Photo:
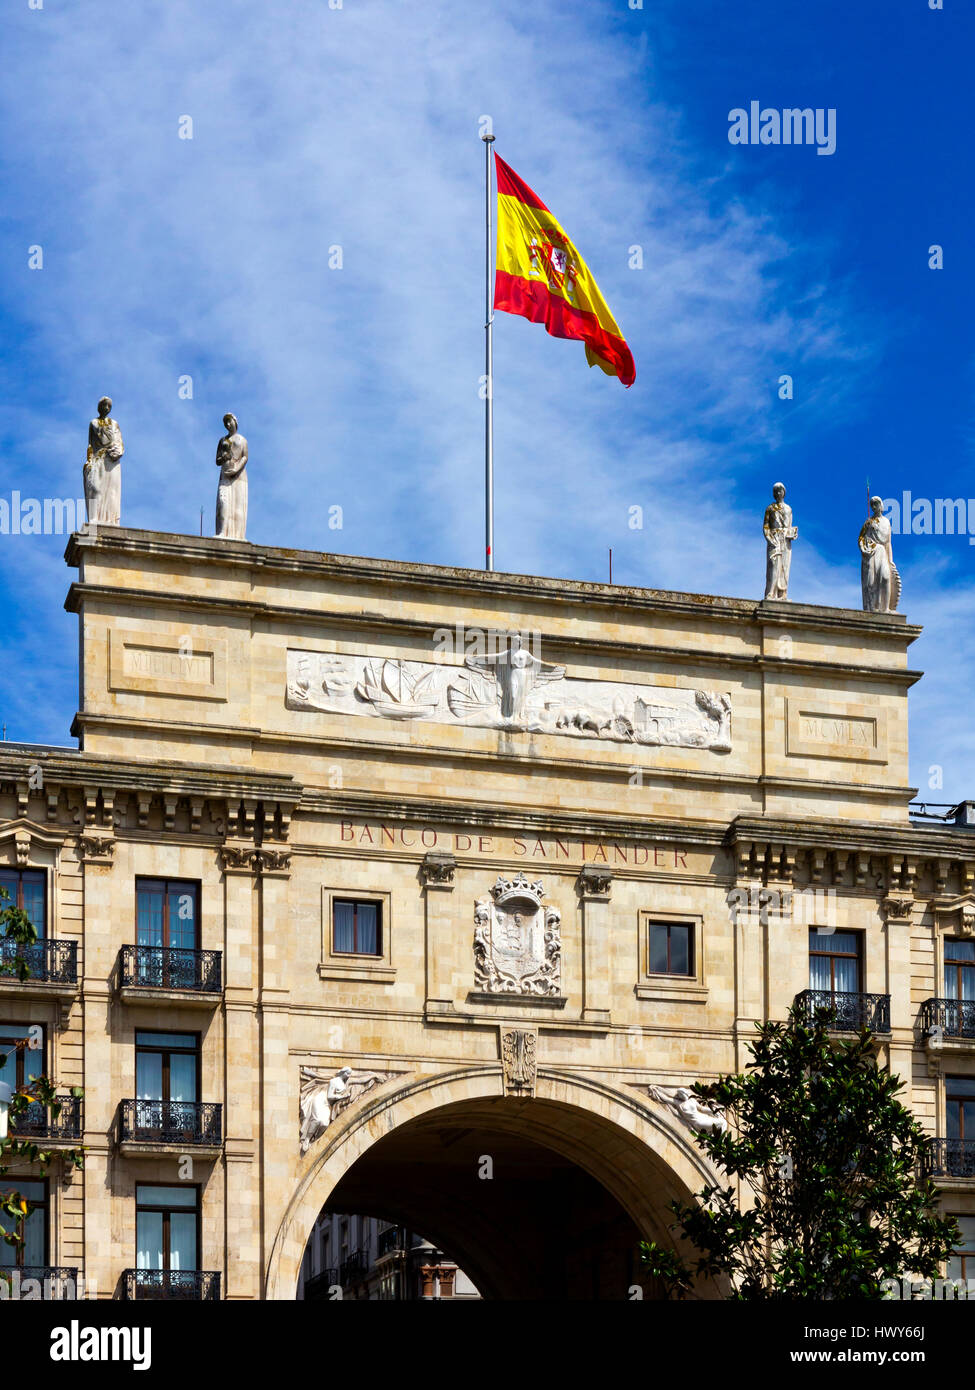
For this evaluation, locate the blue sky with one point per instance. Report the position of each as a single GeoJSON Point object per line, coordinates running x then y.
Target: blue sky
{"type": "Point", "coordinates": [314, 127]}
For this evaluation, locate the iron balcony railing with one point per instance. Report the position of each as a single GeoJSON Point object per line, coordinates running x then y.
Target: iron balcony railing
{"type": "Point", "coordinates": [39, 1121]}
{"type": "Point", "coordinates": [51, 1283]}
{"type": "Point", "coordinates": [849, 1012]}
{"type": "Point", "coordinates": [950, 1158]}
{"type": "Point", "coordinates": [171, 967]}
{"type": "Point", "coordinates": [50, 962]}
{"type": "Point", "coordinates": [171, 1122]}
{"type": "Point", "coordinates": [187, 1285]}
{"type": "Point", "coordinates": [955, 1018]}
{"type": "Point", "coordinates": [353, 1268]}
{"type": "Point", "coordinates": [319, 1285]}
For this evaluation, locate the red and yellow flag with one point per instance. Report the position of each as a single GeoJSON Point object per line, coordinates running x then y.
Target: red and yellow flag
{"type": "Point", "coordinates": [541, 276]}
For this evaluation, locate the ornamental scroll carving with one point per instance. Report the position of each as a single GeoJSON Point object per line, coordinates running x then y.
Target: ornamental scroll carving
{"type": "Point", "coordinates": [519, 1060]}
{"type": "Point", "coordinates": [250, 859]}
{"type": "Point", "coordinates": [512, 690]}
{"type": "Point", "coordinates": [517, 941]}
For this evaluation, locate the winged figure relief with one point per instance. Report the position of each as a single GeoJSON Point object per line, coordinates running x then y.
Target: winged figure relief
{"type": "Point", "coordinates": [517, 674]}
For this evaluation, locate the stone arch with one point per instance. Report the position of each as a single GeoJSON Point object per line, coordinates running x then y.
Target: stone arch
{"type": "Point", "coordinates": [633, 1148]}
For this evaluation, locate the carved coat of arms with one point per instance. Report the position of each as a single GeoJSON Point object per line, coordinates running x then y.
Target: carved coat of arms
{"type": "Point", "coordinates": [517, 941]}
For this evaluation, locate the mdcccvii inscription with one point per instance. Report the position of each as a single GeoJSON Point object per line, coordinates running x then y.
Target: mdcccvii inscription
{"type": "Point", "coordinates": [150, 661]}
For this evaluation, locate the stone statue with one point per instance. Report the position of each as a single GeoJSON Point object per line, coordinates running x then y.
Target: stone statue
{"type": "Point", "coordinates": [779, 535]}
{"type": "Point", "coordinates": [323, 1097]}
{"type": "Point", "coordinates": [879, 578]}
{"type": "Point", "coordinates": [699, 1115]}
{"type": "Point", "coordinates": [103, 468]}
{"type": "Point", "coordinates": [232, 489]}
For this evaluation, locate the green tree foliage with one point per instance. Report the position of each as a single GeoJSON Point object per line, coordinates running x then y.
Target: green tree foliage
{"type": "Point", "coordinates": [830, 1166]}
{"type": "Point", "coordinates": [18, 1154]}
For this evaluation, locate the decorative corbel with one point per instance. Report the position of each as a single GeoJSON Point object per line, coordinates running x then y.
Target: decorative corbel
{"type": "Point", "coordinates": [593, 883]}
{"type": "Point", "coordinates": [96, 849]}
{"type": "Point", "coordinates": [437, 870]}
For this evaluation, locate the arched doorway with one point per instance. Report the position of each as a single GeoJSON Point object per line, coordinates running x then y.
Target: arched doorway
{"type": "Point", "coordinates": [538, 1198]}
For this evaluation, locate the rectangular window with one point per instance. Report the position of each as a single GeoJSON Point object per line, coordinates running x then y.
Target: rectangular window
{"type": "Point", "coordinates": [167, 913]}
{"type": "Point", "coordinates": [167, 1066]}
{"type": "Point", "coordinates": [167, 1226]}
{"type": "Point", "coordinates": [834, 961]}
{"type": "Point", "coordinates": [960, 1107]}
{"type": "Point", "coordinates": [671, 948]}
{"type": "Point", "coordinates": [961, 1261]}
{"type": "Point", "coordinates": [23, 1064]}
{"type": "Point", "coordinates": [26, 889]}
{"type": "Point", "coordinates": [32, 1227]}
{"type": "Point", "coordinates": [959, 968]}
{"type": "Point", "coordinates": [356, 927]}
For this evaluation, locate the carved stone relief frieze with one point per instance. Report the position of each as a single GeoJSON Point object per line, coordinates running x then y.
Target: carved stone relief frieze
{"type": "Point", "coordinates": [512, 690]}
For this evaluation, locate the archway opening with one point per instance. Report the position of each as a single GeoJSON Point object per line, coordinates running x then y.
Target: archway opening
{"type": "Point", "coordinates": [507, 1189]}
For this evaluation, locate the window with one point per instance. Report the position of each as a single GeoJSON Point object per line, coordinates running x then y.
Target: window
{"type": "Point", "coordinates": [959, 968]}
{"type": "Point", "coordinates": [167, 1066]}
{"type": "Point", "coordinates": [20, 1065]}
{"type": "Point", "coordinates": [960, 1107]}
{"type": "Point", "coordinates": [167, 1226]}
{"type": "Point", "coordinates": [671, 946]}
{"type": "Point", "coordinates": [961, 1261]}
{"type": "Point", "coordinates": [834, 961]}
{"type": "Point", "coordinates": [167, 913]}
{"type": "Point", "coordinates": [356, 927]}
{"type": "Point", "coordinates": [32, 1254]}
{"type": "Point", "coordinates": [27, 889]}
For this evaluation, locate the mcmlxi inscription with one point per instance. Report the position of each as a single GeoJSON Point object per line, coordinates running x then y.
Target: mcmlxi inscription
{"type": "Point", "coordinates": [855, 733]}
{"type": "Point", "coordinates": [836, 733]}
{"type": "Point", "coordinates": [147, 663]}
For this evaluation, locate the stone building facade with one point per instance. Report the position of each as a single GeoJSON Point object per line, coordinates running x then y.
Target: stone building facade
{"type": "Point", "coordinates": [510, 850]}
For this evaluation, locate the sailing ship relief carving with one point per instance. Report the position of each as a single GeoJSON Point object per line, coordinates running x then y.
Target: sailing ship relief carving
{"type": "Point", "coordinates": [512, 690]}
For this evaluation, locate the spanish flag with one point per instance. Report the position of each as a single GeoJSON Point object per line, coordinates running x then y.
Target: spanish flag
{"type": "Point", "coordinates": [540, 275]}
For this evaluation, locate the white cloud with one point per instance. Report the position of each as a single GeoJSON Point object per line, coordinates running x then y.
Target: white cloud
{"type": "Point", "coordinates": [359, 387]}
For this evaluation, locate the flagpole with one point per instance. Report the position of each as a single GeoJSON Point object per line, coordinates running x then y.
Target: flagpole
{"type": "Point", "coordinates": [488, 366]}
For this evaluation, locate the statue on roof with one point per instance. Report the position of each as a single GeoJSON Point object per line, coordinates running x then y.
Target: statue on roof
{"type": "Point", "coordinates": [103, 468]}
{"type": "Point", "coordinates": [779, 535]}
{"type": "Point", "coordinates": [232, 488]}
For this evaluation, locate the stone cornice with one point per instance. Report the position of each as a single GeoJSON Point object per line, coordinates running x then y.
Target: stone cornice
{"type": "Point", "coordinates": [867, 836]}
{"type": "Point", "coordinates": [590, 645]}
{"type": "Point", "coordinates": [492, 757]}
{"type": "Point", "coordinates": [71, 768]}
{"type": "Point", "coordinates": [245, 555]}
